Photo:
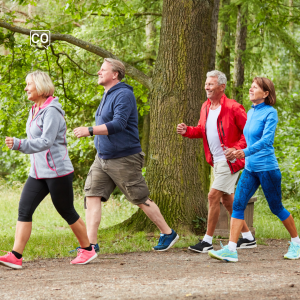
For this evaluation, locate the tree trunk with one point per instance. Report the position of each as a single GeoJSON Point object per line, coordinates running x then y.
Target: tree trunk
{"type": "Point", "coordinates": [240, 47]}
{"type": "Point", "coordinates": [214, 34]}
{"type": "Point", "coordinates": [177, 173]}
{"type": "Point", "coordinates": [223, 46]}
{"type": "Point", "coordinates": [292, 58]}
{"type": "Point", "coordinates": [151, 45]}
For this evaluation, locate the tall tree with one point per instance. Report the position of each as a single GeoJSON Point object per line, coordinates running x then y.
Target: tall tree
{"type": "Point", "coordinates": [177, 173]}
{"type": "Point", "coordinates": [240, 47]}
{"type": "Point", "coordinates": [223, 43]}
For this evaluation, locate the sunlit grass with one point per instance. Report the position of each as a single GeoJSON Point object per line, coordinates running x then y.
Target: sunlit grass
{"type": "Point", "coordinates": [51, 236]}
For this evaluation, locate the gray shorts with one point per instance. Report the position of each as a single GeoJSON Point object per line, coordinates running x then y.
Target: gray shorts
{"type": "Point", "coordinates": [124, 172]}
{"type": "Point", "coordinates": [224, 181]}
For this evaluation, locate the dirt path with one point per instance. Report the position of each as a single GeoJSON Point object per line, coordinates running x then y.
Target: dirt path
{"type": "Point", "coordinates": [261, 273]}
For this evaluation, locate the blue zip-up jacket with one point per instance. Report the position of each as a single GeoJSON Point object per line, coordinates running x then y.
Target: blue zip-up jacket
{"type": "Point", "coordinates": [118, 111]}
{"type": "Point", "coordinates": [259, 132]}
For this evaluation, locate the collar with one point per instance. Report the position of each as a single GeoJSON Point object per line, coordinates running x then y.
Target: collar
{"type": "Point", "coordinates": [223, 98]}
{"type": "Point", "coordinates": [259, 106]}
{"type": "Point", "coordinates": [46, 103]}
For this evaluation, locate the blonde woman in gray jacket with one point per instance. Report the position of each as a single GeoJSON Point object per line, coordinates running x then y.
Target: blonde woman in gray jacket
{"type": "Point", "coordinates": [51, 169]}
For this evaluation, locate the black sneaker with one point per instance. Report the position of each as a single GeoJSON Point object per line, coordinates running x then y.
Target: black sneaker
{"type": "Point", "coordinates": [202, 247]}
{"type": "Point", "coordinates": [245, 243]}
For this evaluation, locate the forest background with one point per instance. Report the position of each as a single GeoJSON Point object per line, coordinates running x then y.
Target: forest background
{"type": "Point", "coordinates": [251, 37]}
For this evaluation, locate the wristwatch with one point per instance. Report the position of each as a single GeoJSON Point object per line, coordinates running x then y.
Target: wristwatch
{"type": "Point", "coordinates": [91, 131]}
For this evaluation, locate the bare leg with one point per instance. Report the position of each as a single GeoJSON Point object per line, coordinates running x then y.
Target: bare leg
{"type": "Point", "coordinates": [154, 214]}
{"type": "Point", "coordinates": [22, 235]}
{"type": "Point", "coordinates": [236, 226]}
{"type": "Point", "coordinates": [79, 230]}
{"type": "Point", "coordinates": [214, 197]}
{"type": "Point", "coordinates": [289, 224]}
{"type": "Point", "coordinates": [93, 217]}
{"type": "Point", "coordinates": [227, 201]}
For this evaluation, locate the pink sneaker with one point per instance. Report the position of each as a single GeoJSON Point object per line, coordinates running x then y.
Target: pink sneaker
{"type": "Point", "coordinates": [84, 257]}
{"type": "Point", "coordinates": [9, 260]}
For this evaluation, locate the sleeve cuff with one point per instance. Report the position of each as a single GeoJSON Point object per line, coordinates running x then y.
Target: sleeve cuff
{"type": "Point", "coordinates": [187, 132]}
{"type": "Point", "coordinates": [17, 144]}
{"type": "Point", "coordinates": [247, 152]}
{"type": "Point", "coordinates": [110, 128]}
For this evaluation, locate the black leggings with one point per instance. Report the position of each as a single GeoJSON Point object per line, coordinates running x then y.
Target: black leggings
{"type": "Point", "coordinates": [61, 191]}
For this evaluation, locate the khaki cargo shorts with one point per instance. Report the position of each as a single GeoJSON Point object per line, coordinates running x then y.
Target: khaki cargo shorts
{"type": "Point", "coordinates": [124, 172]}
{"type": "Point", "coordinates": [224, 180]}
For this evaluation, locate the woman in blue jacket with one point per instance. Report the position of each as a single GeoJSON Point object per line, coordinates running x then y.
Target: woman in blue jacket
{"type": "Point", "coordinates": [261, 168]}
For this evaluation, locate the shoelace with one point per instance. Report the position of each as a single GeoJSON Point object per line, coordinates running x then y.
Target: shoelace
{"type": "Point", "coordinates": [161, 239]}
{"type": "Point", "coordinates": [6, 252]}
{"type": "Point", "coordinates": [292, 247]}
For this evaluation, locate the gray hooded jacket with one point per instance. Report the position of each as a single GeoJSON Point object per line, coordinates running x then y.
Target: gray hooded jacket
{"type": "Point", "coordinates": [46, 142]}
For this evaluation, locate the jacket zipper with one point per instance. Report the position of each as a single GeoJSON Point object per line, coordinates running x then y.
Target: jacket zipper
{"type": "Point", "coordinates": [207, 139]}
{"type": "Point", "coordinates": [222, 128]}
{"type": "Point", "coordinates": [229, 163]}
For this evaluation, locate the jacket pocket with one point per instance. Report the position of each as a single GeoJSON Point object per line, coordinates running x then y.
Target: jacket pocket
{"type": "Point", "coordinates": [138, 189]}
{"type": "Point", "coordinates": [88, 182]}
{"type": "Point", "coordinates": [50, 161]}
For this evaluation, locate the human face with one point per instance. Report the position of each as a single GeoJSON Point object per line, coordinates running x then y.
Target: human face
{"type": "Point", "coordinates": [214, 91]}
{"type": "Point", "coordinates": [106, 76]}
{"type": "Point", "coordinates": [30, 88]}
{"type": "Point", "coordinates": [257, 95]}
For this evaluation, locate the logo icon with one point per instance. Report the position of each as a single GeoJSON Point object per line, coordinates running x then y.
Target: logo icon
{"type": "Point", "coordinates": [42, 37]}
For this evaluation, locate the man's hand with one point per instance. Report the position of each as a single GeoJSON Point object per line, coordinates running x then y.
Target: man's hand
{"type": "Point", "coordinates": [81, 132]}
{"type": "Point", "coordinates": [181, 128]}
{"type": "Point", "coordinates": [239, 154]}
{"type": "Point", "coordinates": [229, 154]}
{"type": "Point", "coordinates": [9, 141]}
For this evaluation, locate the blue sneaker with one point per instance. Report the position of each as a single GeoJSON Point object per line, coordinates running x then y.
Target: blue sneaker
{"type": "Point", "coordinates": [293, 252]}
{"type": "Point", "coordinates": [96, 247]}
{"type": "Point", "coordinates": [224, 254]}
{"type": "Point", "coordinates": [166, 241]}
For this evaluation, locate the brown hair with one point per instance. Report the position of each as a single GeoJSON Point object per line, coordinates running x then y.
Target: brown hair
{"type": "Point", "coordinates": [267, 86]}
{"type": "Point", "coordinates": [116, 66]}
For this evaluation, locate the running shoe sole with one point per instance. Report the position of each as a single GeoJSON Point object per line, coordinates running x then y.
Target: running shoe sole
{"type": "Point", "coordinates": [203, 251]}
{"type": "Point", "coordinates": [10, 265]}
{"type": "Point", "coordinates": [228, 259]}
{"type": "Point", "coordinates": [93, 257]}
{"type": "Point", "coordinates": [247, 246]}
{"type": "Point", "coordinates": [171, 244]}
{"type": "Point", "coordinates": [292, 258]}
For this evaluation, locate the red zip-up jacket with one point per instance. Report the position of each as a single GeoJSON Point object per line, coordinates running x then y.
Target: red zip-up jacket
{"type": "Point", "coordinates": [230, 124]}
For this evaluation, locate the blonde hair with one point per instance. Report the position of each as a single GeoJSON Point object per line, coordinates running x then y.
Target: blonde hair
{"type": "Point", "coordinates": [43, 83]}
{"type": "Point", "coordinates": [116, 66]}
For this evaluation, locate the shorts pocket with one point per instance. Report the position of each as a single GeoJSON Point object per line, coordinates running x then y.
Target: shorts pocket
{"type": "Point", "coordinates": [137, 190]}
{"type": "Point", "coordinates": [88, 182]}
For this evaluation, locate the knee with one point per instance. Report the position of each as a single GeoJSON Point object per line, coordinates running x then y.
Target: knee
{"type": "Point", "coordinates": [71, 216]}
{"type": "Point", "coordinates": [213, 200]}
{"type": "Point", "coordinates": [282, 214]}
{"type": "Point", "coordinates": [24, 216]}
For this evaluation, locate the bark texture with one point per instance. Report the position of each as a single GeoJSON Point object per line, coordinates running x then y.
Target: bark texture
{"type": "Point", "coordinates": [214, 34]}
{"type": "Point", "coordinates": [177, 172]}
{"type": "Point", "coordinates": [223, 45]}
{"type": "Point", "coordinates": [240, 47]}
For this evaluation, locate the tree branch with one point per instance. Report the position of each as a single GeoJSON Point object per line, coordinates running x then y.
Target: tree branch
{"type": "Point", "coordinates": [123, 15]}
{"type": "Point", "coordinates": [130, 70]}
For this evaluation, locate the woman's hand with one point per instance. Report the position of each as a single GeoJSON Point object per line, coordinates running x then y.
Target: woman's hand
{"type": "Point", "coordinates": [239, 154]}
{"type": "Point", "coordinates": [181, 128]}
{"type": "Point", "coordinates": [9, 141]}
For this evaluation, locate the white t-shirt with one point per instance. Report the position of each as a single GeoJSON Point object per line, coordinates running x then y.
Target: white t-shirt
{"type": "Point", "coordinates": [213, 136]}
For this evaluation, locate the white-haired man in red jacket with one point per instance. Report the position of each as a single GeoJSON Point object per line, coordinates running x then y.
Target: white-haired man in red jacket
{"type": "Point", "coordinates": [221, 125]}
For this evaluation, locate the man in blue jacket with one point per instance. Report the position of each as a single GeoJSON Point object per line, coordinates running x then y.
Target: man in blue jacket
{"type": "Point", "coordinates": [119, 159]}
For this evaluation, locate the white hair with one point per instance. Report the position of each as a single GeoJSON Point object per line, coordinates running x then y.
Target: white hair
{"type": "Point", "coordinates": [43, 83]}
{"type": "Point", "coordinates": [221, 76]}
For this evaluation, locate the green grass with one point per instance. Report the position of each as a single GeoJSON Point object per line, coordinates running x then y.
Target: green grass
{"type": "Point", "coordinates": [52, 238]}
{"type": "Point", "coordinates": [268, 225]}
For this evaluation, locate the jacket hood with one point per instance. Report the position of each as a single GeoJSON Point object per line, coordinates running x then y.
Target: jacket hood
{"type": "Point", "coordinates": [120, 85]}
{"type": "Point", "coordinates": [52, 102]}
